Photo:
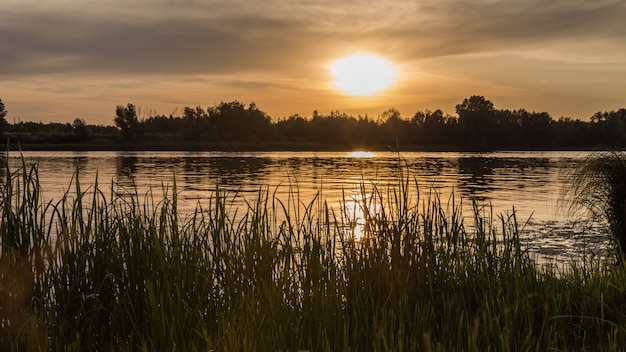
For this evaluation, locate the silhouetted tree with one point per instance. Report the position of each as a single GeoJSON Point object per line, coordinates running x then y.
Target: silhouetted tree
{"type": "Point", "coordinates": [232, 121]}
{"type": "Point", "coordinates": [163, 125]}
{"type": "Point", "coordinates": [535, 128]}
{"type": "Point", "coordinates": [573, 133]}
{"type": "Point", "coordinates": [3, 115]}
{"type": "Point", "coordinates": [336, 128]}
{"type": "Point", "coordinates": [293, 129]}
{"type": "Point", "coordinates": [397, 131]}
{"type": "Point", "coordinates": [196, 123]}
{"type": "Point", "coordinates": [126, 120]}
{"type": "Point", "coordinates": [479, 125]}
{"type": "Point", "coordinates": [81, 131]}
{"type": "Point", "coordinates": [433, 127]}
{"type": "Point", "coordinates": [610, 127]}
{"type": "Point", "coordinates": [476, 117]}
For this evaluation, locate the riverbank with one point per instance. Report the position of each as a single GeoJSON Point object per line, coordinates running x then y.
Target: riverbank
{"type": "Point", "coordinates": [155, 145]}
{"type": "Point", "coordinates": [126, 272]}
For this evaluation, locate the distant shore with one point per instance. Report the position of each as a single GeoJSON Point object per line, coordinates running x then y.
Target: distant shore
{"type": "Point", "coordinates": [111, 145]}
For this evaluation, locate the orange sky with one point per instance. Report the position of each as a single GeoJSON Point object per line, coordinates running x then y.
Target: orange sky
{"type": "Point", "coordinates": [62, 59]}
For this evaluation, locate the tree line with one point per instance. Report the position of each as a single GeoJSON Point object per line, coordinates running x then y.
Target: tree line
{"type": "Point", "coordinates": [477, 125]}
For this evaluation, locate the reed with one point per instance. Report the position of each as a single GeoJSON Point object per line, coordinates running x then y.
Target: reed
{"type": "Point", "coordinates": [598, 185]}
{"type": "Point", "coordinates": [116, 270]}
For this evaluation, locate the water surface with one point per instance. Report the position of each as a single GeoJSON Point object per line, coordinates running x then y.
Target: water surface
{"type": "Point", "coordinates": [528, 183]}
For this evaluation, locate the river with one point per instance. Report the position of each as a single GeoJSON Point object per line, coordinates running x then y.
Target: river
{"type": "Point", "coordinates": [528, 182]}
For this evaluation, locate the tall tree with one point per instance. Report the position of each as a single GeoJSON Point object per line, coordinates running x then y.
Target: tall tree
{"type": "Point", "coordinates": [3, 115]}
{"type": "Point", "coordinates": [126, 120]}
{"type": "Point", "coordinates": [81, 131]}
{"type": "Point", "coordinates": [477, 118]}
{"type": "Point", "coordinates": [475, 103]}
{"type": "Point", "coordinates": [396, 130]}
{"type": "Point", "coordinates": [232, 121]}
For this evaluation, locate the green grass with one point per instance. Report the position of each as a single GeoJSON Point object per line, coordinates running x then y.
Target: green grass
{"type": "Point", "coordinates": [110, 269]}
{"type": "Point", "coordinates": [598, 185]}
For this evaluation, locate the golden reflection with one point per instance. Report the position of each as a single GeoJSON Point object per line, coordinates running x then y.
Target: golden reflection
{"type": "Point", "coordinates": [358, 214]}
{"type": "Point", "coordinates": [361, 154]}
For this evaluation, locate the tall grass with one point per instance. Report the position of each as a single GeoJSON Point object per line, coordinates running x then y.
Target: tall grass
{"type": "Point", "coordinates": [116, 270]}
{"type": "Point", "coordinates": [598, 185]}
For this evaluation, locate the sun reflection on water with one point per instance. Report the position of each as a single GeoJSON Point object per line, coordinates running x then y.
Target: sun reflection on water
{"type": "Point", "coordinates": [361, 154]}
{"type": "Point", "coordinates": [358, 211]}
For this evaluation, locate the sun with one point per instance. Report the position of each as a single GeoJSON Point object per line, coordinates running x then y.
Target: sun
{"type": "Point", "coordinates": [362, 75]}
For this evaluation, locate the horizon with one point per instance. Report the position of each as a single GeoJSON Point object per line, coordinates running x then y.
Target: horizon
{"type": "Point", "coordinates": [66, 59]}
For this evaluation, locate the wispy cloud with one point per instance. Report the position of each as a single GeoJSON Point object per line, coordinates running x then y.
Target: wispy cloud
{"type": "Point", "coordinates": [291, 40]}
{"type": "Point", "coordinates": [220, 36]}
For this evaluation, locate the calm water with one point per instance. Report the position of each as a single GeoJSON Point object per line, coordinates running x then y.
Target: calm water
{"type": "Point", "coordinates": [529, 182]}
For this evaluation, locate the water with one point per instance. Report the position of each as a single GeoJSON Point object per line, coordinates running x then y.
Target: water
{"type": "Point", "coordinates": [527, 182]}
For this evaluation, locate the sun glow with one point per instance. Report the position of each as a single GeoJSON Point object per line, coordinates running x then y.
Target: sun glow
{"type": "Point", "coordinates": [362, 75]}
{"type": "Point", "coordinates": [361, 154]}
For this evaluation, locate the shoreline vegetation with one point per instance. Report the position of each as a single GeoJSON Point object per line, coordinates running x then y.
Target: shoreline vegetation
{"type": "Point", "coordinates": [106, 268]}
{"type": "Point", "coordinates": [154, 146]}
{"type": "Point", "coordinates": [234, 126]}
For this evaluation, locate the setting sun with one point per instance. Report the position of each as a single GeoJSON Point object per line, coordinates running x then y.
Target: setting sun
{"type": "Point", "coordinates": [362, 75]}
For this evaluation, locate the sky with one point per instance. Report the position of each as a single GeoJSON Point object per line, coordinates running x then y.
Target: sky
{"type": "Point", "coordinates": [67, 59]}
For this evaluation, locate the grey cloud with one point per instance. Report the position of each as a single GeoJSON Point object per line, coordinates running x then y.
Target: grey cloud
{"type": "Point", "coordinates": [187, 37]}
{"type": "Point", "coordinates": [459, 27]}
{"type": "Point", "coordinates": [170, 45]}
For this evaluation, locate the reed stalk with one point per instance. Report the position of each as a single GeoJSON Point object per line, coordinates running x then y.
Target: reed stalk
{"type": "Point", "coordinates": [115, 270]}
{"type": "Point", "coordinates": [598, 185]}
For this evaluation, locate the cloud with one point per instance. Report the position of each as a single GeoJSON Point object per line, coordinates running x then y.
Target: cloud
{"type": "Point", "coordinates": [277, 50]}
{"type": "Point", "coordinates": [196, 37]}
{"type": "Point", "coordinates": [451, 28]}
{"type": "Point", "coordinates": [67, 43]}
